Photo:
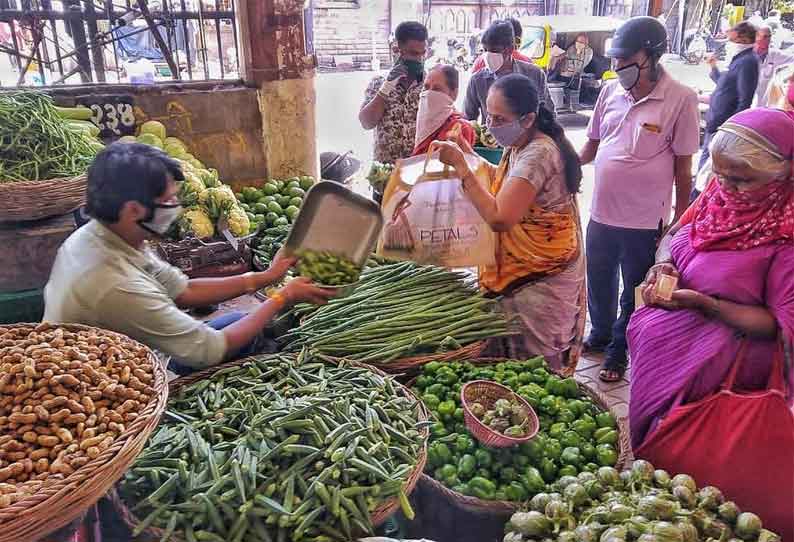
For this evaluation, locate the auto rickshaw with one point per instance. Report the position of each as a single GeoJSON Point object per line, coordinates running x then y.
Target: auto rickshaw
{"type": "Point", "coordinates": [547, 38]}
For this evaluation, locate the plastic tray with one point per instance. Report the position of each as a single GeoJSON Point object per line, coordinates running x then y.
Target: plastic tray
{"type": "Point", "coordinates": [334, 219]}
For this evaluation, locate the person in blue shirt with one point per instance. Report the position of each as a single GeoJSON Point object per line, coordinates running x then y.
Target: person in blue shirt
{"type": "Point", "coordinates": [735, 86]}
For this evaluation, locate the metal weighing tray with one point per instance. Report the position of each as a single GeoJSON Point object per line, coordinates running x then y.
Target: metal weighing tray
{"type": "Point", "coordinates": [334, 219]}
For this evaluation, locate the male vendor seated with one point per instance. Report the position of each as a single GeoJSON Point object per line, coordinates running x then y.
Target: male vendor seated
{"type": "Point", "coordinates": [105, 276]}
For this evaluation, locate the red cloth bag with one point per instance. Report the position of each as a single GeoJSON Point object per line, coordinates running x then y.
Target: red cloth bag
{"type": "Point", "coordinates": [740, 442]}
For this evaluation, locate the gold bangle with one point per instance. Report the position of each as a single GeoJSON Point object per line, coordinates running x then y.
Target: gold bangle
{"type": "Point", "coordinates": [278, 298]}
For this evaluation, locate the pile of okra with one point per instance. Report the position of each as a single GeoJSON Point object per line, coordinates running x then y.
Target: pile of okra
{"type": "Point", "coordinates": [281, 448]}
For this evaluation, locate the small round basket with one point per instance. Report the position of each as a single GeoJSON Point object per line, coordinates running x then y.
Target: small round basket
{"type": "Point", "coordinates": [487, 393]}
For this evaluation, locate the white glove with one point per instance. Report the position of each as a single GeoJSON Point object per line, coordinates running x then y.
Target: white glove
{"type": "Point", "coordinates": [388, 87]}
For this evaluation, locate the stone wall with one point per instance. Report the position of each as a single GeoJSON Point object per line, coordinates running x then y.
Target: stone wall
{"type": "Point", "coordinates": [228, 137]}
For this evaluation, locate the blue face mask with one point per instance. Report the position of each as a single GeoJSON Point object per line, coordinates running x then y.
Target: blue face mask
{"type": "Point", "coordinates": [506, 134]}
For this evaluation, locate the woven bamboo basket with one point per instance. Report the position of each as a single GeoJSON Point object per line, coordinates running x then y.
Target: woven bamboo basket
{"type": "Point", "coordinates": [487, 393]}
{"type": "Point", "coordinates": [504, 507]}
{"type": "Point", "coordinates": [378, 516]}
{"type": "Point", "coordinates": [59, 503]}
{"type": "Point", "coordinates": [34, 200]}
{"type": "Point", "coordinates": [410, 366]}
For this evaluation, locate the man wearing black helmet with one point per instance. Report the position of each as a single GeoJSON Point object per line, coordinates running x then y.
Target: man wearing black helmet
{"type": "Point", "coordinates": [643, 133]}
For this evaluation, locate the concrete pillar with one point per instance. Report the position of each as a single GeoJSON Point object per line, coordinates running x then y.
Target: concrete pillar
{"type": "Point", "coordinates": [279, 63]}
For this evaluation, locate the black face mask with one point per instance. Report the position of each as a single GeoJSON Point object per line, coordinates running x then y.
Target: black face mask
{"type": "Point", "coordinates": [415, 68]}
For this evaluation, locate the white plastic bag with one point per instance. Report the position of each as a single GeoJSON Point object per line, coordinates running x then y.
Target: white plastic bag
{"type": "Point", "coordinates": [430, 220]}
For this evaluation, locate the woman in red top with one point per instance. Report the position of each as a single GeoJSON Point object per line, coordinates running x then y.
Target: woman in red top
{"type": "Point", "coordinates": [437, 119]}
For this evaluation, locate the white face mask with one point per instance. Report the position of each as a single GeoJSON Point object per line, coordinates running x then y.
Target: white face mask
{"type": "Point", "coordinates": [434, 110]}
{"type": "Point", "coordinates": [494, 61]}
{"type": "Point", "coordinates": [732, 49]}
{"type": "Point", "coordinates": [163, 216]}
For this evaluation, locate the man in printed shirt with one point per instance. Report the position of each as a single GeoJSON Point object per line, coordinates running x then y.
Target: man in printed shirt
{"type": "Point", "coordinates": [643, 133]}
{"type": "Point", "coordinates": [105, 276]}
{"type": "Point", "coordinates": [391, 102]}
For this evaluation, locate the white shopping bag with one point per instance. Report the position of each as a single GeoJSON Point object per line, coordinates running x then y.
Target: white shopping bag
{"type": "Point", "coordinates": [430, 220]}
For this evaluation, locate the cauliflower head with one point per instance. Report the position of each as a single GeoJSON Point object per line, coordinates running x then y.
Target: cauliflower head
{"type": "Point", "coordinates": [238, 222]}
{"type": "Point", "coordinates": [219, 200]}
{"type": "Point", "coordinates": [197, 221]}
{"type": "Point", "coordinates": [190, 190]}
{"type": "Point", "coordinates": [209, 177]}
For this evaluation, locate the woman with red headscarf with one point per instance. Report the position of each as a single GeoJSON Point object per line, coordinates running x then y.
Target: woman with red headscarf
{"type": "Point", "coordinates": [437, 119]}
{"type": "Point", "coordinates": [733, 255]}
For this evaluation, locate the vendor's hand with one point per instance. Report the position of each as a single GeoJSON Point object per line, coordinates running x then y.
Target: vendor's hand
{"type": "Point", "coordinates": [451, 154]}
{"type": "Point", "coordinates": [279, 266]}
{"type": "Point", "coordinates": [303, 290]}
{"type": "Point", "coordinates": [711, 60]}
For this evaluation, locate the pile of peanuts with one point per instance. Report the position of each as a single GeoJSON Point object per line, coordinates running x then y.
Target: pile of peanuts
{"type": "Point", "coordinates": [65, 397]}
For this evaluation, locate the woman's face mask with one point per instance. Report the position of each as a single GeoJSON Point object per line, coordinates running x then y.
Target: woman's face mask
{"type": "Point", "coordinates": [163, 216]}
{"type": "Point", "coordinates": [508, 133]}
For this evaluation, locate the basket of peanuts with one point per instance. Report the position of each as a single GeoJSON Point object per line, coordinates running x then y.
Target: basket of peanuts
{"type": "Point", "coordinates": [77, 404]}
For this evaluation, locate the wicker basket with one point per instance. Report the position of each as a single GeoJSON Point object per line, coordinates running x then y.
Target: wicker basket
{"type": "Point", "coordinates": [411, 366]}
{"type": "Point", "coordinates": [487, 393]}
{"type": "Point", "coordinates": [34, 200]}
{"type": "Point", "coordinates": [378, 516]}
{"type": "Point", "coordinates": [505, 507]}
{"type": "Point", "coordinates": [59, 503]}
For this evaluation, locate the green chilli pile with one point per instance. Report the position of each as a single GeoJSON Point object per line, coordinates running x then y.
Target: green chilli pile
{"type": "Point", "coordinates": [640, 504]}
{"type": "Point", "coordinates": [397, 311]}
{"type": "Point", "coordinates": [326, 268]}
{"type": "Point", "coordinates": [39, 141]}
{"type": "Point", "coordinates": [278, 448]}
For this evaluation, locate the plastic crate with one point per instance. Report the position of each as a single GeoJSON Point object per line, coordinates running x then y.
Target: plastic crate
{"type": "Point", "coordinates": [494, 156]}
{"type": "Point", "coordinates": [24, 306]}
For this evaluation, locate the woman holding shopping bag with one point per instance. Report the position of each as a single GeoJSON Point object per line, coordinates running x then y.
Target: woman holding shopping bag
{"type": "Point", "coordinates": [733, 255]}
{"type": "Point", "coordinates": [531, 205]}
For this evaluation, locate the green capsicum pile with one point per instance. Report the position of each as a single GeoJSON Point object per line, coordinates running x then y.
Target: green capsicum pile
{"type": "Point", "coordinates": [640, 504]}
{"type": "Point", "coordinates": [278, 448]}
{"type": "Point", "coordinates": [575, 435]}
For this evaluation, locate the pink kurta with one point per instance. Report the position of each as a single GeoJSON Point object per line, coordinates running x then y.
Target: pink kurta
{"type": "Point", "coordinates": [674, 351]}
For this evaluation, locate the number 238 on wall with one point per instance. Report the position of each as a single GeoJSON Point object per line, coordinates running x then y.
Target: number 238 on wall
{"type": "Point", "coordinates": [114, 118]}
